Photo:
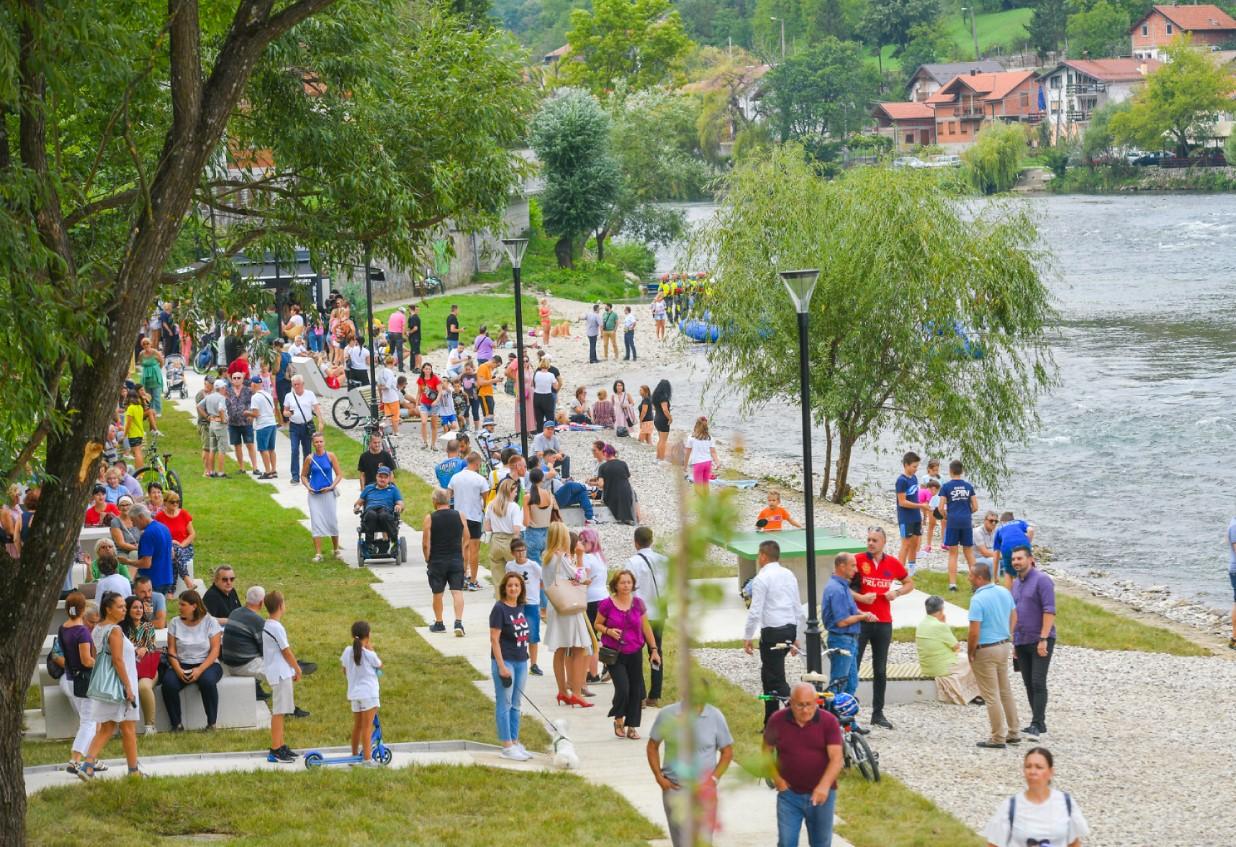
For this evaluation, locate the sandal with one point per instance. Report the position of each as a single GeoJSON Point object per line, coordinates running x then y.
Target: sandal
{"type": "Point", "coordinates": [618, 729]}
{"type": "Point", "coordinates": [633, 734]}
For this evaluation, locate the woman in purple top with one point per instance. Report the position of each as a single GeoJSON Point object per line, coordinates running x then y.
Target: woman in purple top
{"type": "Point", "coordinates": [78, 653]}
{"type": "Point", "coordinates": [622, 623]}
{"type": "Point", "coordinates": [483, 345]}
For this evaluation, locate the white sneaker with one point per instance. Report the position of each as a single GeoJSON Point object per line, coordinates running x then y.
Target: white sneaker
{"type": "Point", "coordinates": [515, 754]}
{"type": "Point", "coordinates": [371, 763]}
{"type": "Point", "coordinates": [523, 749]}
{"type": "Point", "coordinates": [150, 729]}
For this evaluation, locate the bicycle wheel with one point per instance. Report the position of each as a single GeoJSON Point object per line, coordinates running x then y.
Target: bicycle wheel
{"type": "Point", "coordinates": [173, 482]}
{"type": "Point", "coordinates": [343, 415]}
{"type": "Point", "coordinates": [151, 473]}
{"type": "Point", "coordinates": [865, 760]}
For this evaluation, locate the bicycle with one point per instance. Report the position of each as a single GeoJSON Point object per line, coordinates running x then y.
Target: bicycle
{"type": "Point", "coordinates": [382, 425]}
{"type": "Point", "coordinates": [854, 747]}
{"type": "Point", "coordinates": [159, 471]}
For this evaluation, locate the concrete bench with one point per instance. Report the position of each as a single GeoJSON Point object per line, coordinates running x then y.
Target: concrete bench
{"type": "Point", "coordinates": [904, 684]}
{"type": "Point", "coordinates": [59, 616]}
{"type": "Point", "coordinates": [573, 516]}
{"type": "Point", "coordinates": [745, 546]}
{"type": "Point", "coordinates": [238, 709]}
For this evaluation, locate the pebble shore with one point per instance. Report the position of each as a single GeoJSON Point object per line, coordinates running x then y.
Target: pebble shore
{"type": "Point", "coordinates": [1132, 732]}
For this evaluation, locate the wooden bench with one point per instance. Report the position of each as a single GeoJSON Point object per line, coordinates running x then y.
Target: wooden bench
{"type": "Point", "coordinates": [904, 684]}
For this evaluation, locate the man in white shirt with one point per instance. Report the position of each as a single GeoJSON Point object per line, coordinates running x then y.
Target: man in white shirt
{"type": "Point", "coordinates": [469, 488]}
{"type": "Point", "coordinates": [301, 410]}
{"type": "Point", "coordinates": [388, 383]}
{"type": "Point", "coordinates": [776, 614]}
{"type": "Point", "coordinates": [651, 571]}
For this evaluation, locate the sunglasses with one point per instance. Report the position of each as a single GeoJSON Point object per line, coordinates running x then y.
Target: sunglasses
{"type": "Point", "coordinates": [227, 579]}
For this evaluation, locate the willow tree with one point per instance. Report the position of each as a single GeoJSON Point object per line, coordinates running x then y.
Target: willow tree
{"type": "Point", "coordinates": [363, 124]}
{"type": "Point", "coordinates": [929, 319]}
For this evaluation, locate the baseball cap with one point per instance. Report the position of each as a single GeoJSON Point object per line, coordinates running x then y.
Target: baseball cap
{"type": "Point", "coordinates": [549, 422]}
{"type": "Point", "coordinates": [383, 469]}
{"type": "Point", "coordinates": [220, 383]}
{"type": "Point", "coordinates": [255, 379]}
{"type": "Point", "coordinates": [130, 384]}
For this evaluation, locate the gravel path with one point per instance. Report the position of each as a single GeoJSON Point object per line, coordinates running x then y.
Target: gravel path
{"type": "Point", "coordinates": [1132, 732]}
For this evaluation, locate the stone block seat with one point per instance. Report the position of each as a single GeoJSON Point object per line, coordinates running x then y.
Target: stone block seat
{"type": "Point", "coordinates": [905, 684]}
{"type": "Point", "coordinates": [573, 516]}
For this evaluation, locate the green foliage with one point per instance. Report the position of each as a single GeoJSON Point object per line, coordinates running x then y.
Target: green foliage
{"type": "Point", "coordinates": [588, 281]}
{"type": "Point", "coordinates": [824, 89]}
{"type": "Point", "coordinates": [717, 22]}
{"type": "Point", "coordinates": [637, 42]}
{"type": "Point", "coordinates": [993, 162]}
{"type": "Point", "coordinates": [1057, 158]}
{"type": "Point", "coordinates": [1098, 142]}
{"type": "Point", "coordinates": [1181, 100]}
{"type": "Point", "coordinates": [929, 42]}
{"type": "Point", "coordinates": [656, 143]}
{"type": "Point", "coordinates": [1047, 27]}
{"type": "Point", "coordinates": [888, 242]}
{"type": "Point", "coordinates": [1101, 30]}
{"type": "Point", "coordinates": [895, 21]}
{"type": "Point", "coordinates": [1229, 149]}
{"type": "Point", "coordinates": [751, 142]}
{"type": "Point", "coordinates": [571, 138]}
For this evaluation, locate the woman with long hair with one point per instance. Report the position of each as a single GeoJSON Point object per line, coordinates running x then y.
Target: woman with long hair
{"type": "Point", "coordinates": [597, 570]}
{"type": "Point", "coordinates": [504, 520]}
{"type": "Point", "coordinates": [508, 666]}
{"type": "Point", "coordinates": [538, 512]}
{"type": "Point", "coordinates": [77, 655]}
{"type": "Point", "coordinates": [645, 415]}
{"type": "Point", "coordinates": [567, 635]}
{"type": "Point", "coordinates": [194, 639]}
{"type": "Point", "coordinates": [624, 406]}
{"type": "Point", "coordinates": [109, 715]}
{"type": "Point", "coordinates": [141, 633]}
{"type": "Point", "coordinates": [661, 416]}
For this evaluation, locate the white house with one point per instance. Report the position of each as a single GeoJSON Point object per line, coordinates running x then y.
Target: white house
{"type": "Point", "coordinates": [1075, 88]}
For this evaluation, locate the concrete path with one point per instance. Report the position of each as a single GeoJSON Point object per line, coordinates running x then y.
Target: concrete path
{"type": "Point", "coordinates": [748, 813]}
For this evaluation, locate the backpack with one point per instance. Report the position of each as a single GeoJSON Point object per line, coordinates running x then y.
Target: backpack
{"type": "Point", "coordinates": [1068, 805]}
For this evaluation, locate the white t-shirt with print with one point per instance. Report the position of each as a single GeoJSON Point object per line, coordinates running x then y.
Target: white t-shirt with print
{"type": "Point", "coordinates": [274, 641]}
{"type": "Point", "coordinates": [1048, 823]}
{"type": "Point", "coordinates": [531, 572]}
{"type": "Point", "coordinates": [362, 678]}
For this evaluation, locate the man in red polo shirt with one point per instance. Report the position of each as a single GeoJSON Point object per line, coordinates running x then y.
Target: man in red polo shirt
{"type": "Point", "coordinates": [873, 590]}
{"type": "Point", "coordinates": [806, 746]}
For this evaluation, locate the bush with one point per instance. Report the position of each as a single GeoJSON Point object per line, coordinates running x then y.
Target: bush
{"type": "Point", "coordinates": [630, 256]}
{"type": "Point", "coordinates": [993, 163]}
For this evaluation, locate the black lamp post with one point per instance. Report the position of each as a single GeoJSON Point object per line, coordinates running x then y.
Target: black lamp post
{"type": "Point", "coordinates": [368, 336]}
{"type": "Point", "coordinates": [515, 248]}
{"type": "Point", "coordinates": [800, 284]}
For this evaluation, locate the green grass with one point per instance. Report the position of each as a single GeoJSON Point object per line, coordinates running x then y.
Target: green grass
{"type": "Point", "coordinates": [1005, 29]}
{"type": "Point", "coordinates": [427, 695]}
{"type": "Point", "coordinates": [588, 282]}
{"type": "Point", "coordinates": [1078, 623]}
{"type": "Point", "coordinates": [492, 310]}
{"type": "Point", "coordinates": [434, 804]}
{"type": "Point", "coordinates": [415, 490]}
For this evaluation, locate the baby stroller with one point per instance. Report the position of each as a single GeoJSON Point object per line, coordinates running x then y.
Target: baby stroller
{"type": "Point", "coordinates": [174, 376]}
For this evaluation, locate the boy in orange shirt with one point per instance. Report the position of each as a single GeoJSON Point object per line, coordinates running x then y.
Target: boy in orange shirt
{"type": "Point", "coordinates": [774, 515]}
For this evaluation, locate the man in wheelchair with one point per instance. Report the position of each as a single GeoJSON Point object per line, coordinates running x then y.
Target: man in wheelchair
{"type": "Point", "coordinates": [379, 506]}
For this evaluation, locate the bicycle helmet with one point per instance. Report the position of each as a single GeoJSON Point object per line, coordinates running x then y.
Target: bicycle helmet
{"type": "Point", "coordinates": [845, 706]}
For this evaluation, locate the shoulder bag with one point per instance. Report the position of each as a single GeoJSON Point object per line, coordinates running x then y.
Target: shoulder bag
{"type": "Point", "coordinates": [567, 597]}
{"type": "Point", "coordinates": [105, 684]}
{"type": "Point", "coordinates": [54, 670]}
{"type": "Point", "coordinates": [310, 424]}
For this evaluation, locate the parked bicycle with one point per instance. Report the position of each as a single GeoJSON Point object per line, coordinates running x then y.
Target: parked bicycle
{"type": "Point", "coordinates": [159, 470]}
{"type": "Point", "coordinates": [844, 707]}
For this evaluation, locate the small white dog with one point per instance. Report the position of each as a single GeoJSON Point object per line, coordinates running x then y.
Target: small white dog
{"type": "Point", "coordinates": [564, 750]}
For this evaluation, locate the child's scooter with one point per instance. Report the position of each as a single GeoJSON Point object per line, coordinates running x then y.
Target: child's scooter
{"type": "Point", "coordinates": [381, 753]}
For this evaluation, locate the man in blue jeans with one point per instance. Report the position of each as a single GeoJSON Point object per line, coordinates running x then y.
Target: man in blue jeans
{"type": "Point", "coordinates": [806, 746]}
{"type": "Point", "coordinates": [300, 409]}
{"type": "Point", "coordinates": [841, 617]}
{"type": "Point", "coordinates": [568, 492]}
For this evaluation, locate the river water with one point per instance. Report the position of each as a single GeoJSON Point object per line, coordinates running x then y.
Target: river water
{"type": "Point", "coordinates": [1131, 469]}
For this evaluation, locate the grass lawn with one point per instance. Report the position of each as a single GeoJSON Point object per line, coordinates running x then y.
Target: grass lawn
{"type": "Point", "coordinates": [435, 804]}
{"type": "Point", "coordinates": [493, 310]}
{"type": "Point", "coordinates": [588, 282]}
{"type": "Point", "coordinates": [1078, 623]}
{"type": "Point", "coordinates": [1005, 29]}
{"type": "Point", "coordinates": [427, 695]}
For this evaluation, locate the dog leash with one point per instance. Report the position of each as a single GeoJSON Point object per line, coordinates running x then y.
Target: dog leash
{"type": "Point", "coordinates": [549, 724]}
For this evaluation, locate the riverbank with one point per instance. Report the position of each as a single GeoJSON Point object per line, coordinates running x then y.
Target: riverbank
{"type": "Point", "coordinates": [1124, 179]}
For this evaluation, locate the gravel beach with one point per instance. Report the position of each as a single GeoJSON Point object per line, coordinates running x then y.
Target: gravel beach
{"type": "Point", "coordinates": [1131, 732]}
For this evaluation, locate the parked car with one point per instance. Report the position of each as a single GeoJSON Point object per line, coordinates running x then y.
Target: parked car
{"type": "Point", "coordinates": [947, 160]}
{"type": "Point", "coordinates": [909, 162]}
{"type": "Point", "coordinates": [1149, 159]}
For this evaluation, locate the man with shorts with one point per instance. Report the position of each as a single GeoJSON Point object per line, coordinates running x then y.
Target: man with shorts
{"type": "Point", "coordinates": [443, 539]}
{"type": "Point", "coordinates": [388, 385]}
{"type": "Point", "coordinates": [470, 487]}
{"type": "Point", "coordinates": [486, 376]}
{"type": "Point", "coordinates": [203, 427]}
{"type": "Point", "coordinates": [239, 399]}
{"type": "Point", "coordinates": [1011, 535]}
{"type": "Point", "coordinates": [414, 338]}
{"type": "Point", "coordinates": [452, 329]}
{"type": "Point", "coordinates": [960, 500]}
{"type": "Point", "coordinates": [214, 406]}
{"type": "Point", "coordinates": [909, 513]}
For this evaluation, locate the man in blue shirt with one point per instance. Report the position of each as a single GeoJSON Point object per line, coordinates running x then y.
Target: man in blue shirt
{"type": "Point", "coordinates": [154, 551]}
{"type": "Point", "coordinates": [989, 648]}
{"type": "Point", "coordinates": [446, 469]}
{"type": "Point", "coordinates": [958, 497]}
{"type": "Point", "coordinates": [1011, 535]}
{"type": "Point", "coordinates": [840, 616]}
{"type": "Point", "coordinates": [909, 512]}
{"type": "Point", "coordinates": [382, 504]}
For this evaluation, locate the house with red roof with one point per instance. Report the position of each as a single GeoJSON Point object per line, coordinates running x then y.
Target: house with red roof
{"type": "Point", "coordinates": [1209, 25]}
{"type": "Point", "coordinates": [909, 125]}
{"type": "Point", "coordinates": [1075, 88]}
{"type": "Point", "coordinates": [970, 101]}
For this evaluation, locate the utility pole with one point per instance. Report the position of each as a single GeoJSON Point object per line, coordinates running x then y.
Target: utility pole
{"type": "Point", "coordinates": [782, 21]}
{"type": "Point", "coordinates": [973, 30]}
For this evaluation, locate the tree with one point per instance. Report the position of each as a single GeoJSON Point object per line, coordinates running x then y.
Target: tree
{"type": "Point", "coordinates": [1180, 100]}
{"type": "Point", "coordinates": [822, 90]}
{"type": "Point", "coordinates": [994, 161]}
{"type": "Point", "coordinates": [1101, 30]}
{"type": "Point", "coordinates": [1047, 29]}
{"type": "Point", "coordinates": [891, 21]}
{"type": "Point", "coordinates": [928, 43]}
{"type": "Point", "coordinates": [111, 128]}
{"type": "Point", "coordinates": [639, 42]}
{"type": "Point", "coordinates": [1098, 142]}
{"type": "Point", "coordinates": [571, 138]}
{"type": "Point", "coordinates": [887, 242]}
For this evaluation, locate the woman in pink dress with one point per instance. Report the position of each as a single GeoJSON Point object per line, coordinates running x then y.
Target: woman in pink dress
{"type": "Point", "coordinates": [529, 421]}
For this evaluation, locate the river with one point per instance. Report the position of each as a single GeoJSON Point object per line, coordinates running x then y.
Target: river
{"type": "Point", "coordinates": [1129, 472]}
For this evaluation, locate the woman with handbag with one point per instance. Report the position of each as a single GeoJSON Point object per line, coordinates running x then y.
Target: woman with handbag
{"type": "Point", "coordinates": [193, 642]}
{"type": "Point", "coordinates": [624, 408]}
{"type": "Point", "coordinates": [141, 632]}
{"type": "Point", "coordinates": [622, 622]}
{"type": "Point", "coordinates": [75, 644]}
{"type": "Point", "coordinates": [113, 688]}
{"type": "Point", "coordinates": [566, 631]}
{"type": "Point", "coordinates": [504, 520]}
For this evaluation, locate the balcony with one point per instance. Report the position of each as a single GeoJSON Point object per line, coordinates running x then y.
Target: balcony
{"type": "Point", "coordinates": [1086, 88]}
{"type": "Point", "coordinates": [969, 113]}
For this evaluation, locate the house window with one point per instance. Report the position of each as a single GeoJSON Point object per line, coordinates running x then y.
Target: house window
{"type": "Point", "coordinates": [1055, 81]}
{"type": "Point", "coordinates": [1169, 29]}
{"type": "Point", "coordinates": [1145, 30]}
{"type": "Point", "coordinates": [909, 138]}
{"type": "Point", "coordinates": [1025, 99]}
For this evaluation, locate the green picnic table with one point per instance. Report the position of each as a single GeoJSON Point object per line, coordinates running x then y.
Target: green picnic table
{"type": "Point", "coordinates": [746, 546]}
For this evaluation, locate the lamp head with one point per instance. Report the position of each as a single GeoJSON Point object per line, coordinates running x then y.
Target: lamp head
{"type": "Point", "coordinates": [515, 248]}
{"type": "Point", "coordinates": [800, 284]}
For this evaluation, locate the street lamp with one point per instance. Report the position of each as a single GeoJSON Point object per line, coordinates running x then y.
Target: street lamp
{"type": "Point", "coordinates": [515, 248]}
{"type": "Point", "coordinates": [800, 284]}
{"type": "Point", "coordinates": [368, 334]}
{"type": "Point", "coordinates": [782, 21]}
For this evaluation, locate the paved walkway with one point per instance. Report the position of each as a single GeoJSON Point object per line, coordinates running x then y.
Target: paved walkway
{"type": "Point", "coordinates": [748, 814]}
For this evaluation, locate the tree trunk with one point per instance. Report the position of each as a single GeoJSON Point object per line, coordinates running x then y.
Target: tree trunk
{"type": "Point", "coordinates": [564, 251]}
{"type": "Point", "coordinates": [828, 459]}
{"type": "Point", "coordinates": [600, 245]}
{"type": "Point", "coordinates": [841, 491]}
